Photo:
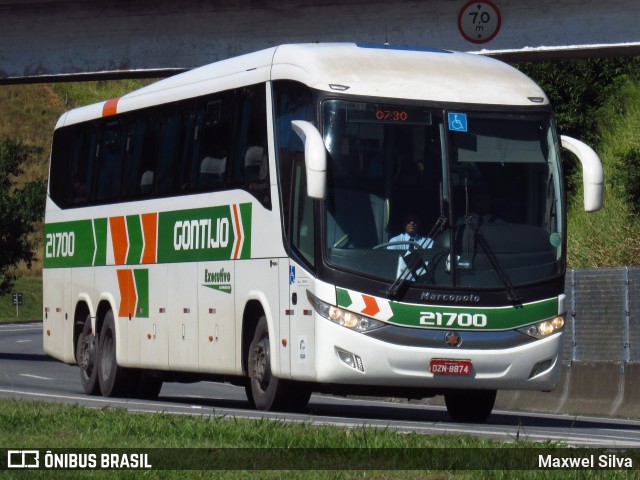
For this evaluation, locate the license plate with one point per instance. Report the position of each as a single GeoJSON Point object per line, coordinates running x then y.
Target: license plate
{"type": "Point", "coordinates": [442, 366]}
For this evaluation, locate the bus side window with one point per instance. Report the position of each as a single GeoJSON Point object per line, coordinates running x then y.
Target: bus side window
{"type": "Point", "coordinates": [292, 101]}
{"type": "Point", "coordinates": [83, 159]}
{"type": "Point", "coordinates": [303, 233]}
{"type": "Point", "coordinates": [109, 161]}
{"type": "Point", "coordinates": [214, 118]}
{"type": "Point", "coordinates": [251, 166]}
{"type": "Point", "coordinates": [140, 155]}
{"type": "Point", "coordinates": [175, 144]}
{"type": "Point", "coordinates": [60, 184]}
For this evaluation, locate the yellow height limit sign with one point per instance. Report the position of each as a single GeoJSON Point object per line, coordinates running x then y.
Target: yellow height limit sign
{"type": "Point", "coordinates": [479, 22]}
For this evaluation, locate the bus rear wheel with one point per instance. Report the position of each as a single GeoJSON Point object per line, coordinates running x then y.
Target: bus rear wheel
{"type": "Point", "coordinates": [470, 405]}
{"type": "Point", "coordinates": [87, 356]}
{"type": "Point", "coordinates": [265, 391]}
{"type": "Point", "coordinates": [114, 380]}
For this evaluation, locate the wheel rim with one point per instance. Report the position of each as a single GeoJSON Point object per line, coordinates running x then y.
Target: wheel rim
{"type": "Point", "coordinates": [87, 354]}
{"type": "Point", "coordinates": [262, 367]}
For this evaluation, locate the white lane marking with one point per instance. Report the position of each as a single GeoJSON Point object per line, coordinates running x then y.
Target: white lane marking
{"type": "Point", "coordinates": [20, 329]}
{"type": "Point", "coordinates": [23, 341]}
{"type": "Point", "coordinates": [34, 376]}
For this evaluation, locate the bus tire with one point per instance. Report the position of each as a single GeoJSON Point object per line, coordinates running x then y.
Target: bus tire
{"type": "Point", "coordinates": [470, 405]}
{"type": "Point", "coordinates": [114, 380]}
{"type": "Point", "coordinates": [87, 358]}
{"type": "Point", "coordinates": [264, 391]}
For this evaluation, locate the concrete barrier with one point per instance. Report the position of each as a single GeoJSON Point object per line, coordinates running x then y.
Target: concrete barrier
{"type": "Point", "coordinates": [585, 388]}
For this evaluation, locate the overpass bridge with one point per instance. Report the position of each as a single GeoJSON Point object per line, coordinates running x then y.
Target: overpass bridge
{"type": "Point", "coordinates": [43, 40]}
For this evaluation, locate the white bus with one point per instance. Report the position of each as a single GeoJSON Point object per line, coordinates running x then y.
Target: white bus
{"type": "Point", "coordinates": [238, 222]}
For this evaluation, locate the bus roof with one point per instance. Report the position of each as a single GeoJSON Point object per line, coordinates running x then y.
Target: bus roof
{"type": "Point", "coordinates": [358, 69]}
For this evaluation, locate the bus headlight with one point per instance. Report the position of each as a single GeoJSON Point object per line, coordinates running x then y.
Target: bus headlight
{"type": "Point", "coordinates": [343, 317]}
{"type": "Point", "coordinates": [545, 328]}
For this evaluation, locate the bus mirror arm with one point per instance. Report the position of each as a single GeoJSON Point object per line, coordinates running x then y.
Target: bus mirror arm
{"type": "Point", "coordinates": [592, 173]}
{"type": "Point", "coordinates": [315, 158]}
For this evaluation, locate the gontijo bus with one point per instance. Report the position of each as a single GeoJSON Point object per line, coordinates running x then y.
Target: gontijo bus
{"type": "Point", "coordinates": [234, 222]}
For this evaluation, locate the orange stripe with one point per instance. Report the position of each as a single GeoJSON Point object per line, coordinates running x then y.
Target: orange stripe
{"type": "Point", "coordinates": [128, 297]}
{"type": "Point", "coordinates": [236, 253]}
{"type": "Point", "coordinates": [119, 239]}
{"type": "Point", "coordinates": [110, 107]}
{"type": "Point", "coordinates": [371, 306]}
{"type": "Point", "coordinates": [150, 232]}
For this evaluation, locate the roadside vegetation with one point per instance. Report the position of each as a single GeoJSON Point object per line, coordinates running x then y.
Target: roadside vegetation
{"type": "Point", "coordinates": [598, 101]}
{"type": "Point", "coordinates": [335, 453]}
{"type": "Point", "coordinates": [28, 115]}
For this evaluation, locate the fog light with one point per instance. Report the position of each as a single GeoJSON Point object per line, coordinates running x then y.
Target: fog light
{"type": "Point", "coordinates": [540, 367]}
{"type": "Point", "coordinates": [350, 359]}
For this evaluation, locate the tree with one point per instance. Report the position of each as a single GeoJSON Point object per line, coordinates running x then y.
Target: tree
{"type": "Point", "coordinates": [20, 211]}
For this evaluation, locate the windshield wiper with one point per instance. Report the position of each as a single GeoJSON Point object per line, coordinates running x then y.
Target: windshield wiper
{"type": "Point", "coordinates": [470, 221]}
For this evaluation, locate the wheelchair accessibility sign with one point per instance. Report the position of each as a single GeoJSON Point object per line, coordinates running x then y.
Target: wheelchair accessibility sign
{"type": "Point", "coordinates": [457, 122]}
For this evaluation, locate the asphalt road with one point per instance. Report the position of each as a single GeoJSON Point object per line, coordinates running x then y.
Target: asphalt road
{"type": "Point", "coordinates": [26, 372]}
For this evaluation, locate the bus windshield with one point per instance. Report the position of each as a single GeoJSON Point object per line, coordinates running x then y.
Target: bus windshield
{"type": "Point", "coordinates": [442, 198]}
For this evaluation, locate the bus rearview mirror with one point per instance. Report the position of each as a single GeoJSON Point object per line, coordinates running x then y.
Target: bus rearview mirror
{"type": "Point", "coordinates": [592, 173]}
{"type": "Point", "coordinates": [315, 158]}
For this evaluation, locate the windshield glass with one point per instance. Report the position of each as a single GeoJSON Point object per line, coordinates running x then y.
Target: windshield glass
{"type": "Point", "coordinates": [437, 198]}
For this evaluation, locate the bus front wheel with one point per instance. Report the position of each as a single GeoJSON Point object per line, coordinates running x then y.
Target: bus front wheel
{"type": "Point", "coordinates": [265, 391]}
{"type": "Point", "coordinates": [470, 405]}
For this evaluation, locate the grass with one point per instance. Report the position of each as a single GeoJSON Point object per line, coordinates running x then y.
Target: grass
{"type": "Point", "coordinates": [31, 309]}
{"type": "Point", "coordinates": [190, 442]}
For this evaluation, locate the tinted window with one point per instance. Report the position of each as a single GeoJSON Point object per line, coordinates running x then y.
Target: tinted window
{"type": "Point", "coordinates": [210, 143]}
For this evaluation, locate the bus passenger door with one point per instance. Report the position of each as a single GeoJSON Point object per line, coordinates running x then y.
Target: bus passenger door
{"type": "Point", "coordinates": [301, 326]}
{"type": "Point", "coordinates": [285, 343]}
{"type": "Point", "coordinates": [302, 233]}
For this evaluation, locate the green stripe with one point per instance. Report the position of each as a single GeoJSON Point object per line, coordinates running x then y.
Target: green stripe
{"type": "Point", "coordinates": [134, 233]}
{"type": "Point", "coordinates": [245, 214]}
{"type": "Point", "coordinates": [100, 229]}
{"type": "Point", "coordinates": [209, 236]}
{"type": "Point", "coordinates": [141, 278]}
{"type": "Point", "coordinates": [497, 318]}
{"type": "Point", "coordinates": [68, 244]}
